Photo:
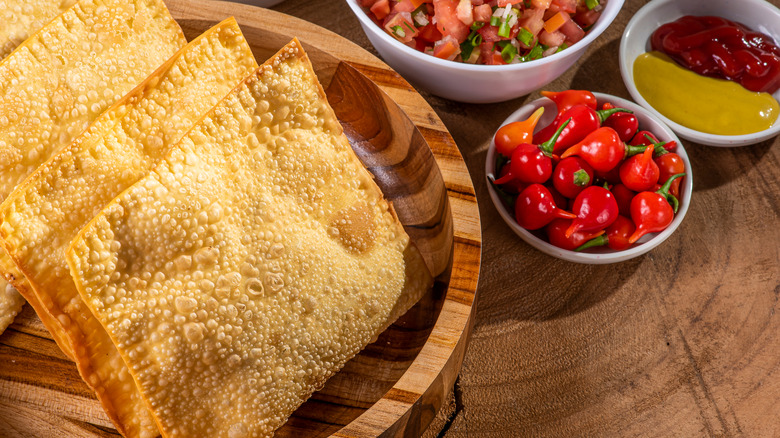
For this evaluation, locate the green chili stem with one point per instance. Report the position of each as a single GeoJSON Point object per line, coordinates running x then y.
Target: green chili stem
{"type": "Point", "coordinates": [604, 114]}
{"type": "Point", "coordinates": [664, 191]}
{"type": "Point", "coordinates": [594, 242]}
{"type": "Point", "coordinates": [633, 150]}
{"type": "Point", "coordinates": [547, 147]}
{"type": "Point", "coordinates": [581, 178]}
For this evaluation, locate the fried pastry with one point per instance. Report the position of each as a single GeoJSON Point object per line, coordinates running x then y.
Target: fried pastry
{"type": "Point", "coordinates": [22, 18]}
{"type": "Point", "coordinates": [251, 263]}
{"type": "Point", "coordinates": [66, 74]}
{"type": "Point", "coordinates": [39, 219]}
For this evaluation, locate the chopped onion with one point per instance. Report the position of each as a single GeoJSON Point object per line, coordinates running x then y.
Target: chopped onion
{"type": "Point", "coordinates": [421, 19]}
{"type": "Point", "coordinates": [549, 51]}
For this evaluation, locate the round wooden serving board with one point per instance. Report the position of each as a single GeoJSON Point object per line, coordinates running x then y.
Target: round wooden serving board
{"type": "Point", "coordinates": [396, 385]}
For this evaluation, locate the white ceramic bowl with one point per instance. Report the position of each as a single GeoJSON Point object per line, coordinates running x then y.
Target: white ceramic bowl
{"type": "Point", "coordinates": [600, 255]}
{"type": "Point", "coordinates": [478, 83]}
{"type": "Point", "coordinates": [756, 14]}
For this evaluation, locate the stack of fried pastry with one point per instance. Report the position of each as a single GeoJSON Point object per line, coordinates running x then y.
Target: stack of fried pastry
{"type": "Point", "coordinates": [192, 228]}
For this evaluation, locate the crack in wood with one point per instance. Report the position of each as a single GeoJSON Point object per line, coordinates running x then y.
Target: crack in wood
{"type": "Point", "coordinates": [707, 393]}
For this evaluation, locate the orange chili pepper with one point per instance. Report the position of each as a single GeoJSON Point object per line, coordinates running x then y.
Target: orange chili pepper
{"type": "Point", "coordinates": [514, 134]}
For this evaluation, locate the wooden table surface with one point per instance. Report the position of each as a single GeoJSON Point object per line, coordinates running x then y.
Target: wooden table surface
{"type": "Point", "coordinates": [683, 341]}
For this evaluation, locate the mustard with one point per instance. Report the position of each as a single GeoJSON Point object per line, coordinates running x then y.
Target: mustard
{"type": "Point", "coordinates": [714, 106]}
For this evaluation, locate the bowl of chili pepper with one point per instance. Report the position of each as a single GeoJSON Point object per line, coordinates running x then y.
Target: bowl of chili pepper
{"type": "Point", "coordinates": [711, 69]}
{"type": "Point", "coordinates": [588, 177]}
{"type": "Point", "coordinates": [510, 50]}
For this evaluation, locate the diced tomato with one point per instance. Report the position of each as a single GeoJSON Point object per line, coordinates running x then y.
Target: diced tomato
{"type": "Point", "coordinates": [401, 26]}
{"type": "Point", "coordinates": [404, 6]}
{"type": "Point", "coordinates": [446, 48]}
{"type": "Point", "coordinates": [540, 4]}
{"type": "Point", "coordinates": [572, 31]}
{"type": "Point", "coordinates": [555, 22]}
{"type": "Point", "coordinates": [569, 6]}
{"type": "Point", "coordinates": [430, 33]}
{"type": "Point", "coordinates": [465, 12]}
{"type": "Point", "coordinates": [494, 58]}
{"type": "Point", "coordinates": [587, 17]}
{"type": "Point", "coordinates": [551, 39]}
{"type": "Point", "coordinates": [381, 8]}
{"type": "Point", "coordinates": [483, 13]}
{"type": "Point", "coordinates": [503, 3]}
{"type": "Point", "coordinates": [489, 34]}
{"type": "Point", "coordinates": [367, 3]}
{"type": "Point", "coordinates": [532, 20]}
{"type": "Point", "coordinates": [447, 20]}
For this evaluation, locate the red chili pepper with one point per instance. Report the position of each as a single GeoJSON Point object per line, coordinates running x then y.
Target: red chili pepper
{"type": "Point", "coordinates": [640, 173]}
{"type": "Point", "coordinates": [560, 201]}
{"type": "Point", "coordinates": [584, 120]}
{"type": "Point", "coordinates": [652, 211]}
{"type": "Point", "coordinates": [556, 235]}
{"type": "Point", "coordinates": [641, 137]}
{"type": "Point", "coordinates": [569, 98]}
{"type": "Point", "coordinates": [612, 177]}
{"type": "Point", "coordinates": [602, 149]}
{"type": "Point", "coordinates": [530, 163]}
{"type": "Point", "coordinates": [514, 186]}
{"type": "Point", "coordinates": [535, 208]}
{"type": "Point", "coordinates": [625, 124]}
{"type": "Point", "coordinates": [571, 176]}
{"type": "Point", "coordinates": [513, 134]}
{"type": "Point", "coordinates": [670, 164]}
{"type": "Point", "coordinates": [623, 196]}
{"type": "Point", "coordinates": [563, 101]}
{"type": "Point", "coordinates": [616, 236]}
{"type": "Point", "coordinates": [595, 208]}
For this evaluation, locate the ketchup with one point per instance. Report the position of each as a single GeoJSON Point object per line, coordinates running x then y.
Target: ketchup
{"type": "Point", "coordinates": [720, 48]}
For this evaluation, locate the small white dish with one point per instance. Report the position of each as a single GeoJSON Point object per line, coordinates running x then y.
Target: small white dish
{"type": "Point", "coordinates": [600, 255]}
{"type": "Point", "coordinates": [478, 83]}
{"type": "Point", "coordinates": [758, 15]}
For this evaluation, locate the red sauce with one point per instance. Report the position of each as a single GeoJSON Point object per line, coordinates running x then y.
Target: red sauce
{"type": "Point", "coordinates": [720, 48]}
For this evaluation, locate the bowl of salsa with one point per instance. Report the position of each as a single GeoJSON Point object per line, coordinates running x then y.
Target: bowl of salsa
{"type": "Point", "coordinates": [483, 51]}
{"type": "Point", "coordinates": [709, 70]}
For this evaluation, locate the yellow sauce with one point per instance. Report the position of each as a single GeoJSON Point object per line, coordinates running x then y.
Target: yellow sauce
{"type": "Point", "coordinates": [714, 106]}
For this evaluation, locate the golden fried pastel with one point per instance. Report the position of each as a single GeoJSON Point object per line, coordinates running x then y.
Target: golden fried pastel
{"type": "Point", "coordinates": [250, 264]}
{"type": "Point", "coordinates": [22, 18]}
{"type": "Point", "coordinates": [39, 219]}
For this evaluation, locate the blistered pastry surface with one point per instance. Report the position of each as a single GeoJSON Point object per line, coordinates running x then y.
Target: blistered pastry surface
{"type": "Point", "coordinates": [250, 265]}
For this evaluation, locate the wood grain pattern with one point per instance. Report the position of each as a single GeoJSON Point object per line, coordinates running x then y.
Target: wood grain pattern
{"type": "Point", "coordinates": [681, 342]}
{"type": "Point", "coordinates": [397, 384]}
